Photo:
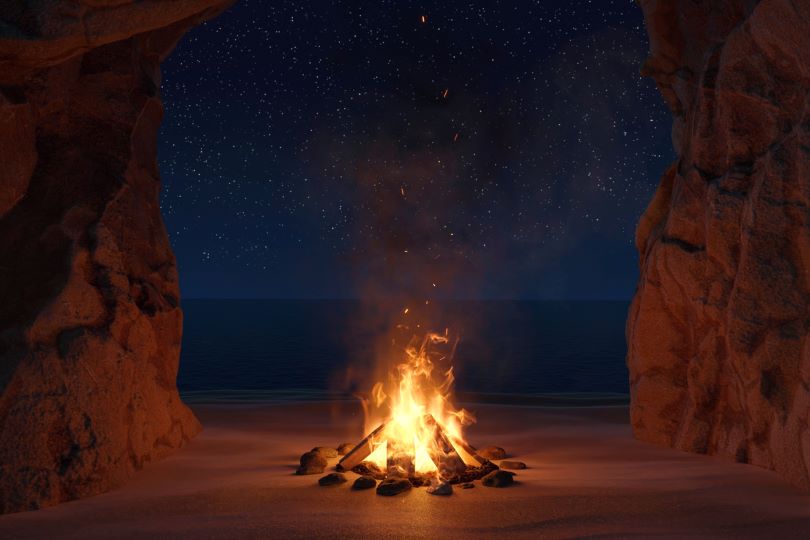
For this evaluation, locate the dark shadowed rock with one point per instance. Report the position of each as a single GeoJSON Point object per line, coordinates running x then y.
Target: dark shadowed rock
{"type": "Point", "coordinates": [325, 451]}
{"type": "Point", "coordinates": [370, 469]}
{"type": "Point", "coordinates": [90, 319]}
{"type": "Point", "coordinates": [440, 489]}
{"type": "Point", "coordinates": [393, 486]}
{"type": "Point", "coordinates": [473, 473]}
{"type": "Point", "coordinates": [718, 348]}
{"type": "Point", "coordinates": [344, 448]}
{"type": "Point", "coordinates": [364, 482]}
{"type": "Point", "coordinates": [498, 479]}
{"type": "Point", "coordinates": [312, 463]}
{"type": "Point", "coordinates": [514, 465]}
{"type": "Point", "coordinates": [492, 453]}
{"type": "Point", "coordinates": [467, 485]}
{"type": "Point", "coordinates": [332, 479]}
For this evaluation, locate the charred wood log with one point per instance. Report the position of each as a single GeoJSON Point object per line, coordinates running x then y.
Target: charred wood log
{"type": "Point", "coordinates": [362, 450]}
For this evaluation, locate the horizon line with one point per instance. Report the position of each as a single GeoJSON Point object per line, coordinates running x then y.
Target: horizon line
{"type": "Point", "coordinates": [353, 298]}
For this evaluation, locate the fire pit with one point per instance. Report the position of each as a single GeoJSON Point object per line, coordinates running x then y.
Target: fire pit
{"type": "Point", "coordinates": [426, 452]}
{"type": "Point", "coordinates": [414, 433]}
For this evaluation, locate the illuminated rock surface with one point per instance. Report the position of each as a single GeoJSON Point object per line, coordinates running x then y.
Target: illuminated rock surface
{"type": "Point", "coordinates": [719, 355]}
{"type": "Point", "coordinates": [89, 319]}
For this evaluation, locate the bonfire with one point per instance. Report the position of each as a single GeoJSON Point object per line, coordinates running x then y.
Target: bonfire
{"type": "Point", "coordinates": [414, 431]}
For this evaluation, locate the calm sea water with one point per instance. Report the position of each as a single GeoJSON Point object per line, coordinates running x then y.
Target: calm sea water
{"type": "Point", "coordinates": [281, 348]}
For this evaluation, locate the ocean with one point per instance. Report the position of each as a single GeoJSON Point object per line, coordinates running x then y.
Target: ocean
{"type": "Point", "coordinates": [260, 350]}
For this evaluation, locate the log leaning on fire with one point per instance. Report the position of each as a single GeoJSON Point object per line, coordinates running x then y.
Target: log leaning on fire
{"type": "Point", "coordinates": [441, 450]}
{"type": "Point", "coordinates": [399, 460]}
{"type": "Point", "coordinates": [362, 450]}
{"type": "Point", "coordinates": [471, 452]}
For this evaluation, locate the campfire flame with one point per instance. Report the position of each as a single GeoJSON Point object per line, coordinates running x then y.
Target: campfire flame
{"type": "Point", "coordinates": [417, 427]}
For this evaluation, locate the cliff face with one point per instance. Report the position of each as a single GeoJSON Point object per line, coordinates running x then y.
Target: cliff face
{"type": "Point", "coordinates": [89, 319]}
{"type": "Point", "coordinates": [719, 354]}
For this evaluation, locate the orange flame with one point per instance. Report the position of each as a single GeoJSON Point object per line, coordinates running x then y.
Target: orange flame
{"type": "Point", "coordinates": [414, 400]}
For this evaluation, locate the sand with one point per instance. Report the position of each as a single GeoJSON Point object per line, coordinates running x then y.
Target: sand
{"type": "Point", "coordinates": [587, 478]}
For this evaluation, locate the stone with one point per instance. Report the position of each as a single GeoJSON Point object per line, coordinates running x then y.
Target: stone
{"type": "Point", "coordinates": [332, 479]}
{"type": "Point", "coordinates": [370, 469]}
{"type": "Point", "coordinates": [473, 473]}
{"type": "Point", "coordinates": [492, 453]}
{"type": "Point", "coordinates": [440, 489]}
{"type": "Point", "coordinates": [498, 479]}
{"type": "Point", "coordinates": [467, 485]}
{"type": "Point", "coordinates": [364, 482]}
{"type": "Point", "coordinates": [344, 448]}
{"type": "Point", "coordinates": [718, 348]}
{"type": "Point", "coordinates": [514, 465]}
{"type": "Point", "coordinates": [393, 486]}
{"type": "Point", "coordinates": [90, 313]}
{"type": "Point", "coordinates": [325, 451]}
{"type": "Point", "coordinates": [312, 463]}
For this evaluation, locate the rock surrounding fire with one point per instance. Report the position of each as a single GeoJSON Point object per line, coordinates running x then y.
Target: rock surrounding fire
{"type": "Point", "coordinates": [414, 432]}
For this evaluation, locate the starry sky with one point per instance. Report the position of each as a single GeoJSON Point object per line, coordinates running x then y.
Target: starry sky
{"type": "Point", "coordinates": [344, 149]}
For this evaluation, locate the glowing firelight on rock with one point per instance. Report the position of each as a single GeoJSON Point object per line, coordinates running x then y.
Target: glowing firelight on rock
{"type": "Point", "coordinates": [412, 424]}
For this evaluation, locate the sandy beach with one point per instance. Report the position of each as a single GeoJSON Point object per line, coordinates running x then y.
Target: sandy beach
{"type": "Point", "coordinates": [587, 478]}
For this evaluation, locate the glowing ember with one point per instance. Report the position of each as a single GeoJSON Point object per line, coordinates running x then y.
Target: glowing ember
{"type": "Point", "coordinates": [416, 429]}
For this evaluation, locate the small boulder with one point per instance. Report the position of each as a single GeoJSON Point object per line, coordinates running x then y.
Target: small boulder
{"type": "Point", "coordinates": [514, 465]}
{"type": "Point", "coordinates": [364, 482]}
{"type": "Point", "coordinates": [311, 463]}
{"type": "Point", "coordinates": [325, 451]}
{"type": "Point", "coordinates": [369, 468]}
{"type": "Point", "coordinates": [467, 485]}
{"type": "Point", "coordinates": [492, 452]}
{"type": "Point", "coordinates": [498, 479]}
{"type": "Point", "coordinates": [332, 479]}
{"type": "Point", "coordinates": [440, 489]}
{"type": "Point", "coordinates": [344, 448]}
{"type": "Point", "coordinates": [393, 486]}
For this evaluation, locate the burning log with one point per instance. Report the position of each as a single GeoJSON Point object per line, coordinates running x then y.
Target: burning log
{"type": "Point", "coordinates": [471, 452]}
{"type": "Point", "coordinates": [362, 450]}
{"type": "Point", "coordinates": [441, 450]}
{"type": "Point", "coordinates": [400, 460]}
{"type": "Point", "coordinates": [421, 439]}
{"type": "Point", "coordinates": [451, 464]}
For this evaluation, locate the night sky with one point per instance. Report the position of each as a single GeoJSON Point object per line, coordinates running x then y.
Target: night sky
{"type": "Point", "coordinates": [347, 149]}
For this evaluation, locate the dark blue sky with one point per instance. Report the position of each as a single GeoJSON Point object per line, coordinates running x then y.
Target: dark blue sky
{"type": "Point", "coordinates": [309, 149]}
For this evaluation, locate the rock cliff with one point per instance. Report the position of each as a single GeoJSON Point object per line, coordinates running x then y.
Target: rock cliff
{"type": "Point", "coordinates": [719, 354]}
{"type": "Point", "coordinates": [90, 322]}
